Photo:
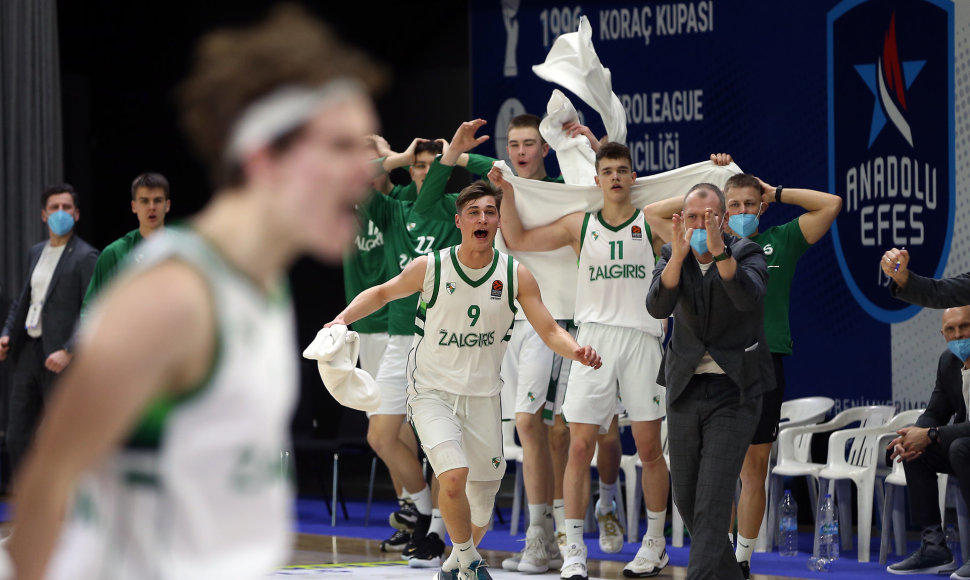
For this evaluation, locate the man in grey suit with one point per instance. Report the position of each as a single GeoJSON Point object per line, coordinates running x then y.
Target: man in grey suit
{"type": "Point", "coordinates": [38, 333]}
{"type": "Point", "coordinates": [716, 368]}
{"type": "Point", "coordinates": [922, 291]}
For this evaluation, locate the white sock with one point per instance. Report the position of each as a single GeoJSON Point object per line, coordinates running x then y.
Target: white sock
{"type": "Point", "coordinates": [607, 495]}
{"type": "Point", "coordinates": [548, 522]}
{"type": "Point", "coordinates": [574, 531]}
{"type": "Point", "coordinates": [466, 553]}
{"type": "Point", "coordinates": [559, 514]}
{"type": "Point", "coordinates": [452, 562]}
{"type": "Point", "coordinates": [537, 514]}
{"type": "Point", "coordinates": [655, 524]}
{"type": "Point", "coordinates": [744, 549]}
{"type": "Point", "coordinates": [437, 523]}
{"type": "Point", "coordinates": [422, 500]}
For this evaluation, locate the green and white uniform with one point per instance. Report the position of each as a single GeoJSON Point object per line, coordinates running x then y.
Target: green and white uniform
{"type": "Point", "coordinates": [615, 265]}
{"type": "Point", "coordinates": [462, 330]}
{"type": "Point", "coordinates": [365, 266]}
{"type": "Point", "coordinates": [197, 490]}
{"type": "Point", "coordinates": [410, 229]}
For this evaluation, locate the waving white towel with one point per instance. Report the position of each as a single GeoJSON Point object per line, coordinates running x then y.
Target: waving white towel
{"type": "Point", "coordinates": [572, 63]}
{"type": "Point", "coordinates": [540, 203]}
{"type": "Point", "coordinates": [335, 349]}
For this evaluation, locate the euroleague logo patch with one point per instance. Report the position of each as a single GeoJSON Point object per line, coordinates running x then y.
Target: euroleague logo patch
{"type": "Point", "coordinates": [636, 232]}
{"type": "Point", "coordinates": [891, 141]}
{"type": "Point", "coordinates": [497, 289]}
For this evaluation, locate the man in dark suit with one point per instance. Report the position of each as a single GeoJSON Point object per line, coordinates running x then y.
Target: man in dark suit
{"type": "Point", "coordinates": [716, 368]}
{"type": "Point", "coordinates": [935, 446]}
{"type": "Point", "coordinates": [922, 291]}
{"type": "Point", "coordinates": [37, 335]}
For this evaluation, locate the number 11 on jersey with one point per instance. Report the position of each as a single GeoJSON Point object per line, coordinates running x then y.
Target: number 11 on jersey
{"type": "Point", "coordinates": [616, 250]}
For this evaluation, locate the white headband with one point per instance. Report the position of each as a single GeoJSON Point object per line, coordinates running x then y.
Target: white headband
{"type": "Point", "coordinates": [283, 110]}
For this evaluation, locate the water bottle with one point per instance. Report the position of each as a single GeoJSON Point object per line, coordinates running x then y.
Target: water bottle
{"type": "Point", "coordinates": [826, 537]}
{"type": "Point", "coordinates": [953, 542]}
{"type": "Point", "coordinates": [788, 526]}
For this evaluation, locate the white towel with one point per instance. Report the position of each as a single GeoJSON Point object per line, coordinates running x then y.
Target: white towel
{"type": "Point", "coordinates": [540, 203]}
{"type": "Point", "coordinates": [577, 161]}
{"type": "Point", "coordinates": [572, 63]}
{"type": "Point", "coordinates": [335, 349]}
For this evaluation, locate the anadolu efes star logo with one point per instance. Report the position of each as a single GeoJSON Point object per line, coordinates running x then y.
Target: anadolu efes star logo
{"type": "Point", "coordinates": [891, 141]}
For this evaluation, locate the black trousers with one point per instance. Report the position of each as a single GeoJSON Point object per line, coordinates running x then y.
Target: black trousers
{"type": "Point", "coordinates": [31, 387]}
{"type": "Point", "coordinates": [953, 458]}
{"type": "Point", "coordinates": [709, 430]}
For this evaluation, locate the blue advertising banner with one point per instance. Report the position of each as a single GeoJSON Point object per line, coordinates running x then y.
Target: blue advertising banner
{"type": "Point", "coordinates": [854, 98]}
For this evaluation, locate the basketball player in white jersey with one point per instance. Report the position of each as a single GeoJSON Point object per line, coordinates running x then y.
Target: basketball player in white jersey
{"type": "Point", "coordinates": [616, 255]}
{"type": "Point", "coordinates": [166, 430]}
{"type": "Point", "coordinates": [463, 323]}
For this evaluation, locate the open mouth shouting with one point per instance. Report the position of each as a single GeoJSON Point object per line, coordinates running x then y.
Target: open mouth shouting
{"type": "Point", "coordinates": [481, 234]}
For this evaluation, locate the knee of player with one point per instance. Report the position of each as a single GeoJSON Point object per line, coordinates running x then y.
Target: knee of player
{"type": "Point", "coordinates": [559, 437]}
{"type": "Point", "coordinates": [581, 448]}
{"type": "Point", "coordinates": [528, 425]}
{"type": "Point", "coordinates": [754, 468]}
{"type": "Point", "coordinates": [481, 499]}
{"type": "Point", "coordinates": [379, 441]}
{"type": "Point", "coordinates": [452, 482]}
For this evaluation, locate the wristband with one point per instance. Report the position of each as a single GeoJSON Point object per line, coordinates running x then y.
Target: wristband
{"type": "Point", "coordinates": [778, 194]}
{"type": "Point", "coordinates": [722, 256]}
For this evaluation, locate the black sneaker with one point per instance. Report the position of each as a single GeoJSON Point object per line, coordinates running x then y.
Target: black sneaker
{"type": "Point", "coordinates": [745, 569]}
{"type": "Point", "coordinates": [428, 553]}
{"type": "Point", "coordinates": [928, 559]}
{"type": "Point", "coordinates": [396, 542]}
{"type": "Point", "coordinates": [404, 518]}
{"type": "Point", "coordinates": [421, 525]}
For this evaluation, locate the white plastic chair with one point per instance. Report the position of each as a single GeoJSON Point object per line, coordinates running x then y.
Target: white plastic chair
{"type": "Point", "coordinates": [631, 465]}
{"type": "Point", "coordinates": [795, 446]}
{"type": "Point", "coordinates": [858, 463]}
{"type": "Point", "coordinates": [794, 413]}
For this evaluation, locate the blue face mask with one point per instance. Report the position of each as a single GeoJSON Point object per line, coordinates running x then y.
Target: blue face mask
{"type": "Point", "coordinates": [960, 347]}
{"type": "Point", "coordinates": [744, 224]}
{"type": "Point", "coordinates": [698, 241]}
{"type": "Point", "coordinates": [60, 222]}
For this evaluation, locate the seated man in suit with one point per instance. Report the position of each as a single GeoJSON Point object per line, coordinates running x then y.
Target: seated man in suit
{"type": "Point", "coordinates": [934, 446]}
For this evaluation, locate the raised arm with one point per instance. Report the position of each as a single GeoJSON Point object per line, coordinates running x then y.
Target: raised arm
{"type": "Point", "coordinates": [455, 153]}
{"type": "Point", "coordinates": [430, 202]}
{"type": "Point", "coordinates": [120, 369]}
{"type": "Point", "coordinates": [406, 283]}
{"type": "Point", "coordinates": [822, 208]}
{"type": "Point", "coordinates": [659, 215]}
{"type": "Point", "coordinates": [565, 231]}
{"type": "Point", "coordinates": [555, 337]}
{"type": "Point", "coordinates": [403, 159]}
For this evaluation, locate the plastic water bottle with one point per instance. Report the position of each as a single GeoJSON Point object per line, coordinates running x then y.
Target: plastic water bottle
{"type": "Point", "coordinates": [826, 537]}
{"type": "Point", "coordinates": [788, 526]}
{"type": "Point", "coordinates": [953, 542]}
